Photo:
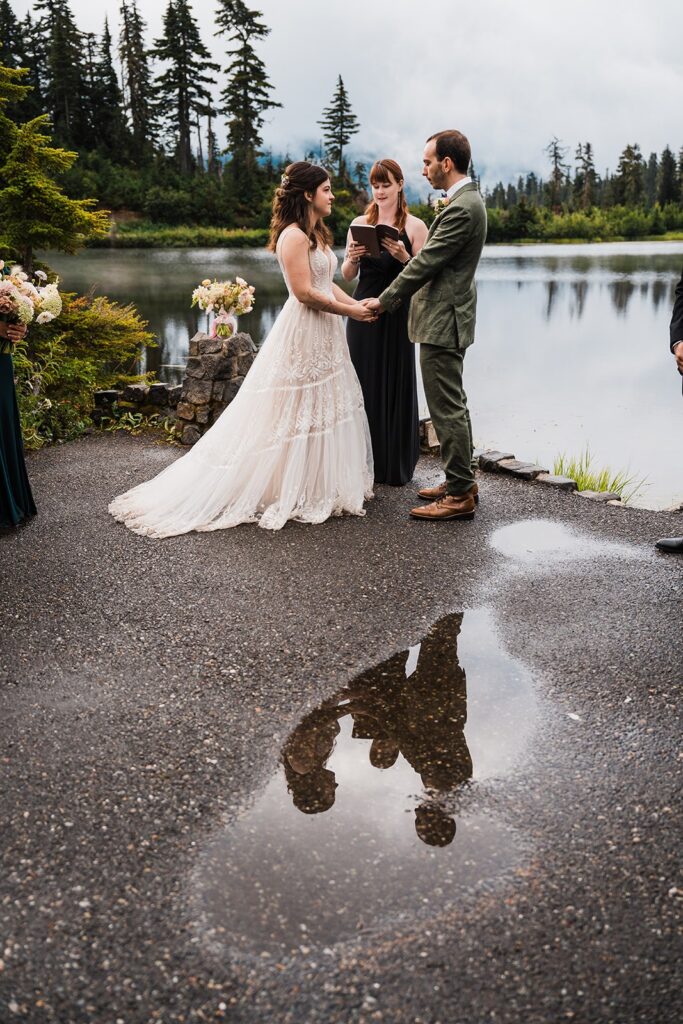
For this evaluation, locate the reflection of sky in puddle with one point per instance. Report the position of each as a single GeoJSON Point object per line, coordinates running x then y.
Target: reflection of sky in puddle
{"type": "Point", "coordinates": [392, 824]}
{"type": "Point", "coordinates": [542, 542]}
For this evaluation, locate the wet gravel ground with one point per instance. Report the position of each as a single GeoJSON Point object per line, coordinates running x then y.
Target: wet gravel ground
{"type": "Point", "coordinates": [146, 688]}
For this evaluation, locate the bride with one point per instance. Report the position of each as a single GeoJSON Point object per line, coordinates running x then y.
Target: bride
{"type": "Point", "coordinates": [294, 443]}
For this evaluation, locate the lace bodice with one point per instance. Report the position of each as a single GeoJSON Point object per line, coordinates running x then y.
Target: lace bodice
{"type": "Point", "coordinates": [323, 263]}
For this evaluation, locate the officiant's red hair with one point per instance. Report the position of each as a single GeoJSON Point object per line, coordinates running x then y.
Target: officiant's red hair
{"type": "Point", "coordinates": [381, 173]}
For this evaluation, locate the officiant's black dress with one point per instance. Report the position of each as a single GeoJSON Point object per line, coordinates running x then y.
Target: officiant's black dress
{"type": "Point", "coordinates": [384, 360]}
{"type": "Point", "coordinates": [16, 500]}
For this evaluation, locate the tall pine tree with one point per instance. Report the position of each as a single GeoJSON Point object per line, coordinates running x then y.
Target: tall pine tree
{"type": "Point", "coordinates": [62, 46]}
{"type": "Point", "coordinates": [629, 181]}
{"type": "Point", "coordinates": [339, 124]}
{"type": "Point", "coordinates": [108, 118]}
{"type": "Point", "coordinates": [183, 85]}
{"type": "Point", "coordinates": [138, 88]}
{"type": "Point", "coordinates": [668, 185]}
{"type": "Point", "coordinates": [248, 94]}
{"type": "Point", "coordinates": [11, 42]}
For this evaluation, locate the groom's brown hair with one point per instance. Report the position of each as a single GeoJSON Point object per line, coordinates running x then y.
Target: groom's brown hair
{"type": "Point", "coordinates": [455, 145]}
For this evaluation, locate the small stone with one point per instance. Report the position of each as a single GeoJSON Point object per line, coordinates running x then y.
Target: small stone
{"type": "Point", "coordinates": [194, 367]}
{"type": "Point", "coordinates": [135, 392]}
{"type": "Point", "coordinates": [603, 496]}
{"type": "Point", "coordinates": [191, 434]}
{"type": "Point", "coordinates": [174, 394]}
{"type": "Point", "coordinates": [524, 470]}
{"type": "Point", "coordinates": [185, 411]}
{"type": "Point", "coordinates": [209, 345]}
{"type": "Point", "coordinates": [197, 391]}
{"type": "Point", "coordinates": [490, 459]}
{"type": "Point", "coordinates": [203, 414]}
{"type": "Point", "coordinates": [105, 399]}
{"type": "Point", "coordinates": [428, 436]}
{"type": "Point", "coordinates": [158, 394]}
{"type": "Point", "coordinates": [564, 483]}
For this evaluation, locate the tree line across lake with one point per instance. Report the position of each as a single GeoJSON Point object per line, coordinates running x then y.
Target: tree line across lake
{"type": "Point", "coordinates": [147, 137]}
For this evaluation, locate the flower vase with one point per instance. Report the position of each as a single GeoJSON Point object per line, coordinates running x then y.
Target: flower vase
{"type": "Point", "coordinates": [224, 326]}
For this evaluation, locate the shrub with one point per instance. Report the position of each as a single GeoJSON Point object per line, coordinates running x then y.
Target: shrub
{"type": "Point", "coordinates": [94, 344]}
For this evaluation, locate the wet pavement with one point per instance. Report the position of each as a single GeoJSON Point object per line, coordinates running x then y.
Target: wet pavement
{"type": "Point", "coordinates": [372, 770]}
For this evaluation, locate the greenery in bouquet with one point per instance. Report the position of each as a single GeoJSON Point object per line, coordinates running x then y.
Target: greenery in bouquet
{"type": "Point", "coordinates": [23, 300]}
{"type": "Point", "coordinates": [226, 300]}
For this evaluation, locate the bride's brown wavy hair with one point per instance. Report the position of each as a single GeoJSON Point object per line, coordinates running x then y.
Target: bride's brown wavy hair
{"type": "Point", "coordinates": [379, 175]}
{"type": "Point", "coordinates": [290, 205]}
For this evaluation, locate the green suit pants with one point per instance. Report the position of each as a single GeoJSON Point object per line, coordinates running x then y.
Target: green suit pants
{"type": "Point", "coordinates": [447, 401]}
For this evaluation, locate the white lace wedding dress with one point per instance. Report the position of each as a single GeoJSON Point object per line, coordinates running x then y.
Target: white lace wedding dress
{"type": "Point", "coordinates": [293, 444]}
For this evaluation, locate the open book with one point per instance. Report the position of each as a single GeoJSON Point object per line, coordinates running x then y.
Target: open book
{"type": "Point", "coordinates": [371, 235]}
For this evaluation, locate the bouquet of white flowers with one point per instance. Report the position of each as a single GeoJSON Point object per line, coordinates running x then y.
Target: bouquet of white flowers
{"type": "Point", "coordinates": [226, 300]}
{"type": "Point", "coordinates": [22, 300]}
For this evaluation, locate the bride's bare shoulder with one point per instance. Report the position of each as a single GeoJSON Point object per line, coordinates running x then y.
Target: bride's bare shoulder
{"type": "Point", "coordinates": [293, 238]}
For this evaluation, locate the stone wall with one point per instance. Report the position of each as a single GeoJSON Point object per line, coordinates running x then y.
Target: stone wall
{"type": "Point", "coordinates": [215, 370]}
{"type": "Point", "coordinates": [149, 399]}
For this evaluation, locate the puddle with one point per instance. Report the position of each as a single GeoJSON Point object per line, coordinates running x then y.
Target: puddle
{"type": "Point", "coordinates": [373, 817]}
{"type": "Point", "coordinates": [546, 542]}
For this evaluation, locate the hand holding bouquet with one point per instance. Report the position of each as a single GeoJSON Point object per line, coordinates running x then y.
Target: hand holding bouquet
{"type": "Point", "coordinates": [227, 301]}
{"type": "Point", "coordinates": [22, 300]}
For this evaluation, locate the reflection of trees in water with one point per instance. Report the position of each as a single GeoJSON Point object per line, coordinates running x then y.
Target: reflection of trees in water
{"type": "Point", "coordinates": [551, 289]}
{"type": "Point", "coordinates": [579, 291]}
{"type": "Point", "coordinates": [661, 291]}
{"type": "Point", "coordinates": [620, 293]}
{"type": "Point", "coordinates": [419, 713]}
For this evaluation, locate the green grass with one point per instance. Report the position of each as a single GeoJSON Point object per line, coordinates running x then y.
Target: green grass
{"type": "Point", "coordinates": [144, 235]}
{"type": "Point", "coordinates": [588, 478]}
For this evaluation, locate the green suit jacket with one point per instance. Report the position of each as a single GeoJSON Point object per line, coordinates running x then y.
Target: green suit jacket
{"type": "Point", "coordinates": [441, 277]}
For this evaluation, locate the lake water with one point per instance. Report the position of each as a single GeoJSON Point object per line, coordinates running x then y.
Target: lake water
{"type": "Point", "coordinates": [571, 346]}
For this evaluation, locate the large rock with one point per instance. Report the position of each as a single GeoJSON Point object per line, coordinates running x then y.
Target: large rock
{"type": "Point", "coordinates": [489, 460]}
{"type": "Point", "coordinates": [190, 434]}
{"type": "Point", "coordinates": [601, 496]}
{"type": "Point", "coordinates": [158, 394]}
{"type": "Point", "coordinates": [135, 393]}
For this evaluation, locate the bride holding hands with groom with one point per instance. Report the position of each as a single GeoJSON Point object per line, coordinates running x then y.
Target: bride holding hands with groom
{"type": "Point", "coordinates": [295, 442]}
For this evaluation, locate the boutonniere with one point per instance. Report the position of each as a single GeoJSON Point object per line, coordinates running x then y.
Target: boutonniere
{"type": "Point", "coordinates": [440, 205]}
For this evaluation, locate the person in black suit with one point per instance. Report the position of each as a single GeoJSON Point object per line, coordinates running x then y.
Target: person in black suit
{"type": "Point", "coordinates": [676, 344]}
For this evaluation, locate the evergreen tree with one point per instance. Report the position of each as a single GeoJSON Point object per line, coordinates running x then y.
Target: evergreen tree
{"type": "Point", "coordinates": [11, 43]}
{"type": "Point", "coordinates": [34, 211]}
{"type": "Point", "coordinates": [138, 90]}
{"type": "Point", "coordinates": [651, 178]}
{"type": "Point", "coordinates": [13, 89]}
{"type": "Point", "coordinates": [668, 185]}
{"type": "Point", "coordinates": [629, 181]}
{"type": "Point", "coordinates": [338, 123]}
{"type": "Point", "coordinates": [33, 60]}
{"type": "Point", "coordinates": [585, 180]}
{"type": "Point", "coordinates": [107, 117]}
{"type": "Point", "coordinates": [182, 87]}
{"type": "Point", "coordinates": [247, 95]}
{"type": "Point", "coordinates": [65, 86]}
{"type": "Point", "coordinates": [558, 174]}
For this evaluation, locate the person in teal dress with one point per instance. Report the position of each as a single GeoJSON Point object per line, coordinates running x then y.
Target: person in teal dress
{"type": "Point", "coordinates": [16, 500]}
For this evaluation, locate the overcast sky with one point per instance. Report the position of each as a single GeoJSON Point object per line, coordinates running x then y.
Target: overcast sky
{"type": "Point", "coordinates": [509, 74]}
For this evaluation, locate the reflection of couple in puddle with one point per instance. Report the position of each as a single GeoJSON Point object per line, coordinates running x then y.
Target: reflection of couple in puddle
{"type": "Point", "coordinates": [417, 710]}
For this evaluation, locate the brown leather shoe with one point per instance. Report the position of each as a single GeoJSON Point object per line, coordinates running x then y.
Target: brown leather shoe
{"type": "Point", "coordinates": [449, 507]}
{"type": "Point", "coordinates": [434, 493]}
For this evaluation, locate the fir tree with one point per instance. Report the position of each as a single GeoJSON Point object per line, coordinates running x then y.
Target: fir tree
{"type": "Point", "coordinates": [11, 42]}
{"type": "Point", "coordinates": [668, 186]}
{"type": "Point", "coordinates": [629, 181]}
{"type": "Point", "coordinates": [34, 211]}
{"type": "Point", "coordinates": [558, 174]}
{"type": "Point", "coordinates": [138, 90]}
{"type": "Point", "coordinates": [13, 90]}
{"type": "Point", "coordinates": [65, 85]}
{"type": "Point", "coordinates": [107, 117]}
{"type": "Point", "coordinates": [338, 123]}
{"type": "Point", "coordinates": [585, 180]}
{"type": "Point", "coordinates": [248, 93]}
{"type": "Point", "coordinates": [183, 85]}
{"type": "Point", "coordinates": [33, 59]}
{"type": "Point", "coordinates": [651, 177]}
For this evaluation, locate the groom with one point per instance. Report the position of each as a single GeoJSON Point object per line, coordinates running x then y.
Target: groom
{"type": "Point", "coordinates": [442, 316]}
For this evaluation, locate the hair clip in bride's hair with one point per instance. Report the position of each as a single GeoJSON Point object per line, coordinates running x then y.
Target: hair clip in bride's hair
{"type": "Point", "coordinates": [284, 180]}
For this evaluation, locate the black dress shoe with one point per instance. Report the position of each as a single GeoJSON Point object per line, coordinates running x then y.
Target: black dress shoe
{"type": "Point", "coordinates": [670, 544]}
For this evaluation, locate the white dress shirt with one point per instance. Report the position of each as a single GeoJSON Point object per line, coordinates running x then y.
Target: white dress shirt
{"type": "Point", "coordinates": [456, 188]}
